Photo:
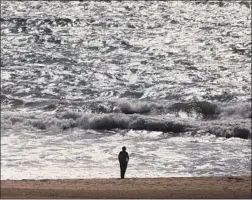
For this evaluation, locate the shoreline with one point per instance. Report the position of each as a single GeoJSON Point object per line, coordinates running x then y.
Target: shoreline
{"type": "Point", "coordinates": [143, 188]}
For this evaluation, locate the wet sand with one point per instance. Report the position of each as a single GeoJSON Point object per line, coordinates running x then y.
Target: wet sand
{"type": "Point", "coordinates": [158, 188]}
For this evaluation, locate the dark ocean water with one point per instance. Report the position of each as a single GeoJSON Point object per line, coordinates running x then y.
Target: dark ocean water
{"type": "Point", "coordinates": [170, 80]}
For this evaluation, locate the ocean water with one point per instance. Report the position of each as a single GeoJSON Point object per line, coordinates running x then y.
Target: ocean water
{"type": "Point", "coordinates": [171, 81]}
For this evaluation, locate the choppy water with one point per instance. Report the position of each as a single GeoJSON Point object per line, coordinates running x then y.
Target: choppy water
{"type": "Point", "coordinates": [169, 80]}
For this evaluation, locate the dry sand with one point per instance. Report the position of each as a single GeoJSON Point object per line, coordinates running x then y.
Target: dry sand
{"type": "Point", "coordinates": [158, 188]}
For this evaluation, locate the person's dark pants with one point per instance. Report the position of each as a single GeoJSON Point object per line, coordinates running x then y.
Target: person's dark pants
{"type": "Point", "coordinates": [123, 167]}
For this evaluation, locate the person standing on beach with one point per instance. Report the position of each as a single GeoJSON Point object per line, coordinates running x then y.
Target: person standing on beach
{"type": "Point", "coordinates": [123, 158]}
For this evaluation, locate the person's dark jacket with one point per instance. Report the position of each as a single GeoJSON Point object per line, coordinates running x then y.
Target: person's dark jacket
{"type": "Point", "coordinates": [123, 157]}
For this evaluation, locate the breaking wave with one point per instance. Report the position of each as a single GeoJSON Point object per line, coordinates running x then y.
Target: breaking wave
{"type": "Point", "coordinates": [176, 126]}
{"type": "Point", "coordinates": [202, 109]}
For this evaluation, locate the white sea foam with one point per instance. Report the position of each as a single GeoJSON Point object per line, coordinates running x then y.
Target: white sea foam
{"type": "Point", "coordinates": [151, 155]}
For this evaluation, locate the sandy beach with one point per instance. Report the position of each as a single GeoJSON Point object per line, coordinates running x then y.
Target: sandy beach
{"type": "Point", "coordinates": [200, 187]}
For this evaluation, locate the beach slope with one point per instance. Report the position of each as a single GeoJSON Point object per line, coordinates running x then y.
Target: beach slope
{"type": "Point", "coordinates": [158, 188]}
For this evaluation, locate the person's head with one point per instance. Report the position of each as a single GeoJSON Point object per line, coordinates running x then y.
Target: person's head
{"type": "Point", "coordinates": [124, 148]}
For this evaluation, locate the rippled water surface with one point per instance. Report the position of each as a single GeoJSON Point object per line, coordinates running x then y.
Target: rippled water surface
{"type": "Point", "coordinates": [169, 80]}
